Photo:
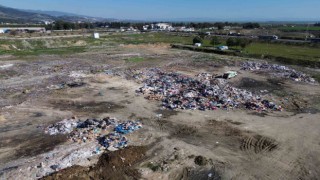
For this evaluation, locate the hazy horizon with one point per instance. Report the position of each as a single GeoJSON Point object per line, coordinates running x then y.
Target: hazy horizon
{"type": "Point", "coordinates": [148, 10]}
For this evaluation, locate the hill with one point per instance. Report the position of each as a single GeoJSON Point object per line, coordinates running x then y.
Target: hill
{"type": "Point", "coordinates": [11, 15]}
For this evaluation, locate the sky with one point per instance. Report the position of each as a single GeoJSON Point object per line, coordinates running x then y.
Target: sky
{"type": "Point", "coordinates": [236, 10]}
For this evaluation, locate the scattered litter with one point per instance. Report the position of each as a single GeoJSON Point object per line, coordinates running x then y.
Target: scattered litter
{"type": "Point", "coordinates": [204, 92]}
{"type": "Point", "coordinates": [278, 71]}
{"type": "Point", "coordinates": [78, 74]}
{"type": "Point", "coordinates": [56, 87]}
{"type": "Point", "coordinates": [6, 66]}
{"type": "Point", "coordinates": [230, 74]}
{"type": "Point", "coordinates": [55, 167]}
{"type": "Point", "coordinates": [75, 84]}
{"type": "Point", "coordinates": [128, 127]}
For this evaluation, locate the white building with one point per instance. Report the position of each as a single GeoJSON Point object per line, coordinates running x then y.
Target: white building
{"type": "Point", "coordinates": [2, 31]}
{"type": "Point", "coordinates": [145, 27]}
{"type": "Point", "coordinates": [184, 29]}
{"type": "Point", "coordinates": [164, 26]}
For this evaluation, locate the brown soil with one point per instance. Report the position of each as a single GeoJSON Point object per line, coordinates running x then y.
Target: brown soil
{"type": "Point", "coordinates": [116, 165]}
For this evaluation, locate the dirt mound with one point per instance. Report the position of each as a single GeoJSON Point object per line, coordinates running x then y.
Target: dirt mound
{"type": "Point", "coordinates": [113, 165]}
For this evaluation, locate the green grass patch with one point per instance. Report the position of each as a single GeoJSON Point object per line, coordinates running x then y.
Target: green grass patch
{"type": "Point", "coordinates": [57, 51]}
{"type": "Point", "coordinates": [316, 76]}
{"type": "Point", "coordinates": [135, 59]}
{"type": "Point", "coordinates": [284, 51]}
{"type": "Point", "coordinates": [300, 28]}
{"type": "Point", "coordinates": [146, 38]}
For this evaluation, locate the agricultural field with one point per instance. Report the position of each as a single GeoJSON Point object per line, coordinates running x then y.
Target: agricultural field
{"type": "Point", "coordinates": [300, 28]}
{"type": "Point", "coordinates": [282, 50]}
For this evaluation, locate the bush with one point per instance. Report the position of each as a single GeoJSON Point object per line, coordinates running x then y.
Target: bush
{"type": "Point", "coordinates": [232, 42]}
{"type": "Point", "coordinates": [215, 41]}
{"type": "Point", "coordinates": [197, 40]}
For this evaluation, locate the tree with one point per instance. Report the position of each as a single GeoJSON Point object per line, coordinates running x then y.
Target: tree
{"type": "Point", "coordinates": [197, 39]}
{"type": "Point", "coordinates": [219, 25]}
{"type": "Point", "coordinates": [202, 35]}
{"type": "Point", "coordinates": [317, 24]}
{"type": "Point", "coordinates": [215, 41]}
{"type": "Point", "coordinates": [232, 42]}
{"type": "Point", "coordinates": [251, 25]}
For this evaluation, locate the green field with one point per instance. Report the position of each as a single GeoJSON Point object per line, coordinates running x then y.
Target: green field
{"type": "Point", "coordinates": [146, 38]}
{"type": "Point", "coordinates": [285, 51]}
{"type": "Point", "coordinates": [300, 28]}
{"type": "Point", "coordinates": [293, 53]}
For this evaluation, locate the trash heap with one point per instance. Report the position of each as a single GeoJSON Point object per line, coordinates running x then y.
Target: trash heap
{"type": "Point", "coordinates": [204, 92]}
{"type": "Point", "coordinates": [109, 132]}
{"type": "Point", "coordinates": [278, 71]}
{"type": "Point", "coordinates": [63, 127]}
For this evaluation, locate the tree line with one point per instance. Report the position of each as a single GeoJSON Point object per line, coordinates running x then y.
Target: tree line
{"type": "Point", "coordinates": [232, 42]}
{"type": "Point", "coordinates": [64, 25]}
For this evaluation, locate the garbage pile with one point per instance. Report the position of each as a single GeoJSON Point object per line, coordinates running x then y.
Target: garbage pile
{"type": "Point", "coordinates": [109, 132]}
{"type": "Point", "coordinates": [278, 70]}
{"type": "Point", "coordinates": [63, 127]}
{"type": "Point", "coordinates": [204, 92]}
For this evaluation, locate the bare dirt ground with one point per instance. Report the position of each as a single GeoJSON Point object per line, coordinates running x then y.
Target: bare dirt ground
{"type": "Point", "coordinates": [182, 144]}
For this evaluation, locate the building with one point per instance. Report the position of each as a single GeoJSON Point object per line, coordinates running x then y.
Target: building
{"type": "Point", "coordinates": [164, 26]}
{"type": "Point", "coordinates": [184, 29]}
{"type": "Point", "coordinates": [2, 31]}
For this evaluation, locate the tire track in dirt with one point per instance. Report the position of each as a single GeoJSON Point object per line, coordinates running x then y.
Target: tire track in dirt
{"type": "Point", "coordinates": [258, 144]}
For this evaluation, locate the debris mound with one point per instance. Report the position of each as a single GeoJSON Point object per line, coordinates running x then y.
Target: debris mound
{"type": "Point", "coordinates": [204, 92]}
{"type": "Point", "coordinates": [108, 132]}
{"type": "Point", "coordinates": [278, 71]}
{"type": "Point", "coordinates": [112, 165]}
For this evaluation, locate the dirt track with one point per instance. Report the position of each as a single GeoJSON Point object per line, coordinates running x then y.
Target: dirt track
{"type": "Point", "coordinates": [237, 144]}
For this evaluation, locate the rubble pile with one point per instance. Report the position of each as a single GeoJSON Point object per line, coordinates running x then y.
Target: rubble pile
{"type": "Point", "coordinates": [204, 92]}
{"type": "Point", "coordinates": [109, 132]}
{"type": "Point", "coordinates": [278, 71]}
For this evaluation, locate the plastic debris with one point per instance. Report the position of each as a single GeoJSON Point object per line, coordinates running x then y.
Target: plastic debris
{"type": "Point", "coordinates": [230, 74]}
{"type": "Point", "coordinates": [115, 140]}
{"type": "Point", "coordinates": [278, 71]}
{"type": "Point", "coordinates": [5, 66]}
{"type": "Point", "coordinates": [204, 92]}
{"type": "Point", "coordinates": [128, 127]}
{"type": "Point", "coordinates": [63, 127]}
{"type": "Point", "coordinates": [108, 132]}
